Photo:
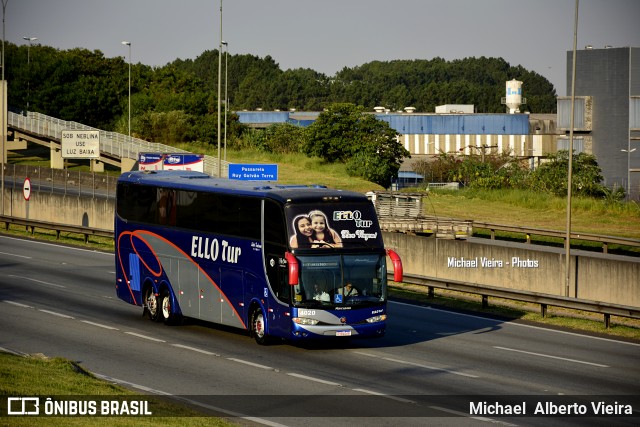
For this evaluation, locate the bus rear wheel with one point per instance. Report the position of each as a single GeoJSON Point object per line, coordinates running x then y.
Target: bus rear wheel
{"type": "Point", "coordinates": [257, 327]}
{"type": "Point", "coordinates": [166, 309]}
{"type": "Point", "coordinates": [150, 301]}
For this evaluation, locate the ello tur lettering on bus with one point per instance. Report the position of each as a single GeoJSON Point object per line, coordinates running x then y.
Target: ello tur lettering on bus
{"type": "Point", "coordinates": [211, 249]}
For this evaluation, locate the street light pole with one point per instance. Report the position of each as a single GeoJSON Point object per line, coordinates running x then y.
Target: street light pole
{"type": "Point", "coordinates": [226, 96]}
{"type": "Point", "coordinates": [567, 265]}
{"type": "Point", "coordinates": [3, 105]}
{"type": "Point", "coordinates": [219, 91]}
{"type": "Point", "coordinates": [628, 170]}
{"type": "Point", "coordinates": [129, 44]}
{"type": "Point", "coordinates": [29, 39]}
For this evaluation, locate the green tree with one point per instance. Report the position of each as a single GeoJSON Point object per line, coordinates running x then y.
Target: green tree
{"type": "Point", "coordinates": [490, 171]}
{"type": "Point", "coordinates": [552, 176]}
{"type": "Point", "coordinates": [84, 86]}
{"type": "Point", "coordinates": [279, 138]}
{"type": "Point", "coordinates": [369, 147]}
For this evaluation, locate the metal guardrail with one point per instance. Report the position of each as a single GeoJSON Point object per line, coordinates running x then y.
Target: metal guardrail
{"type": "Point", "coordinates": [112, 143]}
{"type": "Point", "coordinates": [31, 225]}
{"type": "Point", "coordinates": [528, 232]}
{"type": "Point", "coordinates": [544, 300]}
{"type": "Point", "coordinates": [431, 283]}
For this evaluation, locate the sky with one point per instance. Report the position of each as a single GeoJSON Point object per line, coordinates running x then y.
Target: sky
{"type": "Point", "coordinates": [328, 35]}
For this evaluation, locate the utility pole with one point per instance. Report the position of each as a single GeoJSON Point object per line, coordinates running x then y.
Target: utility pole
{"type": "Point", "coordinates": [3, 104]}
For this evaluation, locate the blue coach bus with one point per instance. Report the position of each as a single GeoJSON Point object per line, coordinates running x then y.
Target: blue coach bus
{"type": "Point", "coordinates": [294, 262]}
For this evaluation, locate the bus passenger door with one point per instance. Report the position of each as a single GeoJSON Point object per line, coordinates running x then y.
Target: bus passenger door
{"type": "Point", "coordinates": [278, 310]}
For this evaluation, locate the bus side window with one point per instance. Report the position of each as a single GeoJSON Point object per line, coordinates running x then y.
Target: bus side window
{"type": "Point", "coordinates": [166, 206]}
{"type": "Point", "coordinates": [274, 227]}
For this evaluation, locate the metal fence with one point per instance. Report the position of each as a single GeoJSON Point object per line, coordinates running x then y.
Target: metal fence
{"type": "Point", "coordinates": [47, 180]}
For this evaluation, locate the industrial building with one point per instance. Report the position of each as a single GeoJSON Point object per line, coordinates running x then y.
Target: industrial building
{"type": "Point", "coordinates": [606, 124]}
{"type": "Point", "coordinates": [453, 129]}
{"type": "Point", "coordinates": [607, 112]}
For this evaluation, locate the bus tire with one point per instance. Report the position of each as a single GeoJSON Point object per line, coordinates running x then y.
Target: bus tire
{"type": "Point", "coordinates": [150, 302]}
{"type": "Point", "coordinates": [165, 307]}
{"type": "Point", "coordinates": [257, 327]}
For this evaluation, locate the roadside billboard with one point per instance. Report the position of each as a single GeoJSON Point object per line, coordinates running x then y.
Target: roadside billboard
{"type": "Point", "coordinates": [184, 162]}
{"type": "Point", "coordinates": [171, 161]}
{"type": "Point", "coordinates": [150, 161]}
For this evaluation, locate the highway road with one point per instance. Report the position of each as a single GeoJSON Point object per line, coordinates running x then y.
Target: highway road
{"type": "Point", "coordinates": [432, 367]}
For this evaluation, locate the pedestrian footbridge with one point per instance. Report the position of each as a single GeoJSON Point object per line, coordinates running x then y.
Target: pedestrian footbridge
{"type": "Point", "coordinates": [115, 149]}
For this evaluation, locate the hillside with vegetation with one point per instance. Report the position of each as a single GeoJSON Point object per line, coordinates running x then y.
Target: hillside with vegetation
{"type": "Point", "coordinates": [178, 101]}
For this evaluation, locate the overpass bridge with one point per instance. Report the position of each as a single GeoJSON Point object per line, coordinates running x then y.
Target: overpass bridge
{"type": "Point", "coordinates": [115, 149]}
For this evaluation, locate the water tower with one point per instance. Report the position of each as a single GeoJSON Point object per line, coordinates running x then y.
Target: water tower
{"type": "Point", "coordinates": [514, 98]}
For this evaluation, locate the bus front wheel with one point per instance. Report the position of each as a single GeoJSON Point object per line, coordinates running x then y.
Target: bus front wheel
{"type": "Point", "coordinates": [257, 327]}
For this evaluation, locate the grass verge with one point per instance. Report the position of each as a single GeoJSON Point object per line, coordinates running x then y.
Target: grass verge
{"type": "Point", "coordinates": [537, 210]}
{"type": "Point", "coordinates": [37, 375]}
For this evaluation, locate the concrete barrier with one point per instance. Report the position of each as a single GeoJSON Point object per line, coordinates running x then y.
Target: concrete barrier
{"type": "Point", "coordinates": [95, 212]}
{"type": "Point", "coordinates": [596, 277]}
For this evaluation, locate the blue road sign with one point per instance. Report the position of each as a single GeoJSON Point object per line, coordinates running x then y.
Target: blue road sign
{"type": "Point", "coordinates": [253, 172]}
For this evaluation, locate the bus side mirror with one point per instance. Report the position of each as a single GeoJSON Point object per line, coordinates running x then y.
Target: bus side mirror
{"type": "Point", "coordinates": [397, 265]}
{"type": "Point", "coordinates": [293, 268]}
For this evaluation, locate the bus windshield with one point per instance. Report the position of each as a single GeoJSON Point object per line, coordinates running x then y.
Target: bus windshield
{"type": "Point", "coordinates": [330, 281]}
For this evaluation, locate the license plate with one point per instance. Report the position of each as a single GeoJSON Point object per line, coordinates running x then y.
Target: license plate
{"type": "Point", "coordinates": [343, 333]}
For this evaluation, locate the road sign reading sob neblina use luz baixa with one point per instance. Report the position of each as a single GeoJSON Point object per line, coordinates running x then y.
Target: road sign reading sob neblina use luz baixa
{"type": "Point", "coordinates": [80, 144]}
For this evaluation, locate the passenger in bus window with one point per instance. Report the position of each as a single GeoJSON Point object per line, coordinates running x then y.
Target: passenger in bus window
{"type": "Point", "coordinates": [166, 206]}
{"type": "Point", "coordinates": [349, 290]}
{"type": "Point", "coordinates": [319, 294]}
{"type": "Point", "coordinates": [303, 232]}
{"type": "Point", "coordinates": [323, 235]}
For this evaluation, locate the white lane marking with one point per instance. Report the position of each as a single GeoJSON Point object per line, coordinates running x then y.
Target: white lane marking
{"type": "Point", "coordinates": [39, 242]}
{"type": "Point", "coordinates": [184, 399]}
{"type": "Point", "coordinates": [40, 282]}
{"type": "Point", "coordinates": [318, 380]}
{"type": "Point", "coordinates": [129, 384]}
{"type": "Point", "coordinates": [17, 304]}
{"type": "Point", "coordinates": [419, 365]}
{"type": "Point", "coordinates": [145, 337]}
{"type": "Point", "coordinates": [245, 362]}
{"type": "Point", "coordinates": [186, 347]}
{"type": "Point", "coordinates": [100, 325]}
{"type": "Point", "coordinates": [542, 328]}
{"type": "Point", "coordinates": [54, 313]}
{"type": "Point", "coordinates": [16, 255]}
{"type": "Point", "coordinates": [551, 357]}
{"type": "Point", "coordinates": [388, 396]}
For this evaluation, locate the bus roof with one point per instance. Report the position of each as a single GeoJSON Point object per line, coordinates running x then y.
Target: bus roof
{"type": "Point", "coordinates": [198, 181]}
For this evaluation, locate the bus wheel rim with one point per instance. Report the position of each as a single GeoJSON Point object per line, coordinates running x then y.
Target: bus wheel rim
{"type": "Point", "coordinates": [258, 325]}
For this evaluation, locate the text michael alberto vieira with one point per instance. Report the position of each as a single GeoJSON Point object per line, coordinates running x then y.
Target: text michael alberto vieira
{"type": "Point", "coordinates": [594, 408]}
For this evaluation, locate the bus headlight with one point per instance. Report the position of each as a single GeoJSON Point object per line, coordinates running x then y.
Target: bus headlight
{"type": "Point", "coordinates": [380, 318]}
{"type": "Point", "coordinates": [304, 321]}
